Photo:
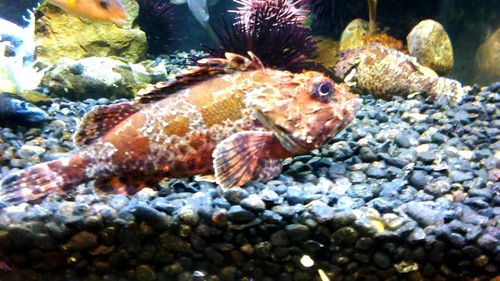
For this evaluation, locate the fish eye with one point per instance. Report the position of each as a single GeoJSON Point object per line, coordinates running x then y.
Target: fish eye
{"type": "Point", "coordinates": [104, 4]}
{"type": "Point", "coordinates": [323, 91]}
{"type": "Point", "coordinates": [25, 105]}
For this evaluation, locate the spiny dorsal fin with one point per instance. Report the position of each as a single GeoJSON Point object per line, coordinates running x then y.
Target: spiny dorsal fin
{"type": "Point", "coordinates": [207, 69]}
{"type": "Point", "coordinates": [100, 120]}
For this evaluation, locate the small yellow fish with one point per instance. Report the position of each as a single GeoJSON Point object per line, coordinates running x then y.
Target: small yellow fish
{"type": "Point", "coordinates": [105, 10]}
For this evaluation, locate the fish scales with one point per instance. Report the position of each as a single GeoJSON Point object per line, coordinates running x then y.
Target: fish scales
{"type": "Point", "coordinates": [247, 120]}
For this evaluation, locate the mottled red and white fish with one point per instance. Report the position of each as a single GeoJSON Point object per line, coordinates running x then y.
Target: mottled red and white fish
{"type": "Point", "coordinates": [232, 117]}
{"type": "Point", "coordinates": [104, 10]}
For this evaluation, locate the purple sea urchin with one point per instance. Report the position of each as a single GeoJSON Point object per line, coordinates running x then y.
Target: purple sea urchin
{"type": "Point", "coordinates": [155, 19]}
{"type": "Point", "coordinates": [278, 11]}
{"type": "Point", "coordinates": [273, 30]}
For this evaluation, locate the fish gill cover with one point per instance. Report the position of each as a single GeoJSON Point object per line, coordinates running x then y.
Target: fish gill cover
{"type": "Point", "coordinates": [274, 30]}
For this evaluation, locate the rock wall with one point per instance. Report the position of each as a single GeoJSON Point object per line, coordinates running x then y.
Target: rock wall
{"type": "Point", "coordinates": [59, 34]}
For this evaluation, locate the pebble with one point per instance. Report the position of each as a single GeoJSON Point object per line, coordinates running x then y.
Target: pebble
{"type": "Point", "coordinates": [419, 179]}
{"type": "Point", "coordinates": [376, 172]}
{"type": "Point", "coordinates": [438, 187]}
{"type": "Point", "coordinates": [488, 242]}
{"type": "Point", "coordinates": [361, 191]}
{"type": "Point", "coordinates": [460, 176]}
{"type": "Point", "coordinates": [268, 195]}
{"type": "Point", "coordinates": [239, 215]}
{"type": "Point", "coordinates": [235, 194]}
{"type": "Point", "coordinates": [402, 140]}
{"type": "Point", "coordinates": [423, 214]}
{"type": "Point", "coordinates": [253, 203]}
{"type": "Point", "coordinates": [367, 155]}
{"type": "Point", "coordinates": [145, 273]}
{"type": "Point", "coordinates": [321, 211]}
{"type": "Point", "coordinates": [82, 241]}
{"type": "Point", "coordinates": [427, 157]}
{"type": "Point", "coordinates": [381, 260]}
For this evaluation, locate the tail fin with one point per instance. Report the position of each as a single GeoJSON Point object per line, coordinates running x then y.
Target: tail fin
{"type": "Point", "coordinates": [36, 182]}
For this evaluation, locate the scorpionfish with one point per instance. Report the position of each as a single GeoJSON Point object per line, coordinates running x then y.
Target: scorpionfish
{"type": "Point", "coordinates": [385, 72]}
{"type": "Point", "coordinates": [230, 117]}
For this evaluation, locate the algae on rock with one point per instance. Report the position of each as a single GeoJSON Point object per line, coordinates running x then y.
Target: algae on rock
{"type": "Point", "coordinates": [61, 35]}
{"type": "Point", "coordinates": [429, 42]}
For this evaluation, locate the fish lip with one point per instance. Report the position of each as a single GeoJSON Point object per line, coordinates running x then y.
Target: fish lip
{"type": "Point", "coordinates": [119, 22]}
{"type": "Point", "coordinates": [286, 141]}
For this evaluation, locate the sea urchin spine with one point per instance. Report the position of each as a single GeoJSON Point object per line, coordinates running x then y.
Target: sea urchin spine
{"type": "Point", "coordinates": [155, 19]}
{"type": "Point", "coordinates": [273, 30]}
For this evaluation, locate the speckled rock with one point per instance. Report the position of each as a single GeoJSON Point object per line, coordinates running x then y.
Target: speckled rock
{"type": "Point", "coordinates": [431, 45]}
{"type": "Point", "coordinates": [56, 37]}
{"type": "Point", "coordinates": [352, 34]}
{"type": "Point", "coordinates": [99, 77]}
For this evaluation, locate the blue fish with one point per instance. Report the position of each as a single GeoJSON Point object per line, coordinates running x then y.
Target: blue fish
{"type": "Point", "coordinates": [14, 110]}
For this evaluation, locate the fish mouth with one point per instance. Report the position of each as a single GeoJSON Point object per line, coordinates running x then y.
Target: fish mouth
{"type": "Point", "coordinates": [281, 133]}
{"type": "Point", "coordinates": [119, 21]}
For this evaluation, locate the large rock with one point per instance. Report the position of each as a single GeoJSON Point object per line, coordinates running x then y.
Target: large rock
{"type": "Point", "coordinates": [356, 35]}
{"type": "Point", "coordinates": [99, 77]}
{"type": "Point", "coordinates": [488, 58]}
{"type": "Point", "coordinates": [431, 45]}
{"type": "Point", "coordinates": [59, 34]}
{"type": "Point", "coordinates": [353, 34]}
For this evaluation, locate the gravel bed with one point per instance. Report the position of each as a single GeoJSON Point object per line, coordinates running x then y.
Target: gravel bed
{"type": "Point", "coordinates": [409, 191]}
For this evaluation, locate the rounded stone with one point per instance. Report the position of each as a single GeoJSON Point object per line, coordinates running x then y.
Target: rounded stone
{"type": "Point", "coordinates": [367, 154]}
{"type": "Point", "coordinates": [345, 236]}
{"type": "Point", "coordinates": [381, 260]}
{"type": "Point", "coordinates": [145, 273]}
{"type": "Point", "coordinates": [235, 195]}
{"type": "Point", "coordinates": [321, 211]}
{"type": "Point", "coordinates": [353, 33]}
{"type": "Point", "coordinates": [82, 241]}
{"type": "Point", "coordinates": [419, 179]}
{"type": "Point", "coordinates": [402, 140]}
{"type": "Point", "coordinates": [431, 45]}
{"type": "Point", "coordinates": [427, 157]}
{"type": "Point", "coordinates": [237, 214]}
{"type": "Point", "coordinates": [253, 203]}
{"type": "Point", "coordinates": [297, 232]}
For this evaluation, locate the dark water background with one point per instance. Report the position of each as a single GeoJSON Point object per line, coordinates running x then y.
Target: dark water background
{"type": "Point", "coordinates": [468, 22]}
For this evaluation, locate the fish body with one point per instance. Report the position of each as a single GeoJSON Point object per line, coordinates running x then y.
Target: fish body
{"type": "Point", "coordinates": [386, 72]}
{"type": "Point", "coordinates": [237, 125]}
{"type": "Point", "coordinates": [14, 110]}
{"type": "Point", "coordinates": [104, 10]}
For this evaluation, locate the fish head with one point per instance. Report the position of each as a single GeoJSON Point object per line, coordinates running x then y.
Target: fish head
{"type": "Point", "coordinates": [106, 10]}
{"type": "Point", "coordinates": [303, 110]}
{"type": "Point", "coordinates": [110, 10]}
{"type": "Point", "coordinates": [27, 112]}
{"type": "Point", "coordinates": [346, 66]}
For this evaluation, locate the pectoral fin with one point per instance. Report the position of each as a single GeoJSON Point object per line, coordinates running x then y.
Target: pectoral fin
{"type": "Point", "coordinates": [243, 157]}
